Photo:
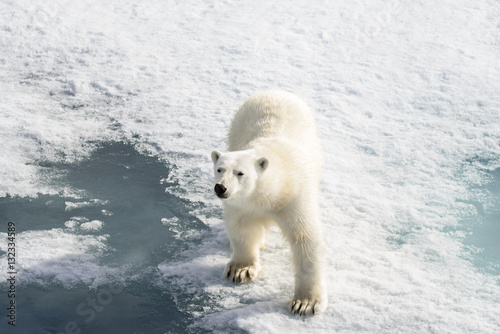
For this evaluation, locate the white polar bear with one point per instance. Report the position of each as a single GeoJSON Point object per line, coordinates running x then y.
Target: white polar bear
{"type": "Point", "coordinates": [271, 174]}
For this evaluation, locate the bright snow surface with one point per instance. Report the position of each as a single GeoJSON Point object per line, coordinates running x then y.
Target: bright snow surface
{"type": "Point", "coordinates": [407, 100]}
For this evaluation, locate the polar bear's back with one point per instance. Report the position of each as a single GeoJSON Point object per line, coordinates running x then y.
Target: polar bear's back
{"type": "Point", "coordinates": [272, 114]}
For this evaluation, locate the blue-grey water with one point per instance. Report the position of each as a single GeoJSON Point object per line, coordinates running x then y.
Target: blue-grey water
{"type": "Point", "coordinates": [485, 229]}
{"type": "Point", "coordinates": [129, 185]}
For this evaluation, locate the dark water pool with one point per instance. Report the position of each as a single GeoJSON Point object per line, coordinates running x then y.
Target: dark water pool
{"type": "Point", "coordinates": [123, 190]}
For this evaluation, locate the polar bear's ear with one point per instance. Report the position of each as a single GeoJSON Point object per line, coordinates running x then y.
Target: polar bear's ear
{"type": "Point", "coordinates": [263, 163]}
{"type": "Point", "coordinates": [215, 155]}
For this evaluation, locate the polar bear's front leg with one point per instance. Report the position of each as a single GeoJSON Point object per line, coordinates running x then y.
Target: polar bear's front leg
{"type": "Point", "coordinates": [309, 297]}
{"type": "Point", "coordinates": [303, 231]}
{"type": "Point", "coordinates": [246, 237]}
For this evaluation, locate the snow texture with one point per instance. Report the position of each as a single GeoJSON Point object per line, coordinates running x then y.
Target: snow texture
{"type": "Point", "coordinates": [407, 102]}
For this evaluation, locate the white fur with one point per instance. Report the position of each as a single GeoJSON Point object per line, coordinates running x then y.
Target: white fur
{"type": "Point", "coordinates": [272, 141]}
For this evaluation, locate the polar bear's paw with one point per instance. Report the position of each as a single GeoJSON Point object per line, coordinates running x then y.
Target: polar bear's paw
{"type": "Point", "coordinates": [239, 273]}
{"type": "Point", "coordinates": [306, 307]}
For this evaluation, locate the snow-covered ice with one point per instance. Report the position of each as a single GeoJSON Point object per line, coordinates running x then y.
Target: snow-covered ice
{"type": "Point", "coordinates": [407, 100]}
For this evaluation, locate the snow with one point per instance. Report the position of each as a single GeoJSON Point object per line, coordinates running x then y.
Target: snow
{"type": "Point", "coordinates": [78, 205]}
{"type": "Point", "coordinates": [407, 103]}
{"type": "Point", "coordinates": [94, 225]}
{"type": "Point", "coordinates": [54, 254]}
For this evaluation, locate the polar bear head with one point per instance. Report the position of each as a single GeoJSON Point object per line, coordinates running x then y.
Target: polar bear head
{"type": "Point", "coordinates": [237, 173]}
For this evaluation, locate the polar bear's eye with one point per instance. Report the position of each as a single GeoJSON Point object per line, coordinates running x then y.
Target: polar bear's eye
{"type": "Point", "coordinates": [219, 170]}
{"type": "Point", "coordinates": [240, 174]}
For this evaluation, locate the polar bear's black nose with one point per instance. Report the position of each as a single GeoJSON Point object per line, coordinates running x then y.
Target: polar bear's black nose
{"type": "Point", "coordinates": [220, 190]}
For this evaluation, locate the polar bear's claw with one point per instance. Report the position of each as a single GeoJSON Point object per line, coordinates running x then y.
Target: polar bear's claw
{"type": "Point", "coordinates": [305, 307]}
{"type": "Point", "coordinates": [239, 273]}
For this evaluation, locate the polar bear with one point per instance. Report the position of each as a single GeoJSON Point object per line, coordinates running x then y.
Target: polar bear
{"type": "Point", "coordinates": [270, 174]}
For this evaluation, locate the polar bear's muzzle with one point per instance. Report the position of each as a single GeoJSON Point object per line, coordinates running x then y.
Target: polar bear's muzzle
{"type": "Point", "coordinates": [220, 191]}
